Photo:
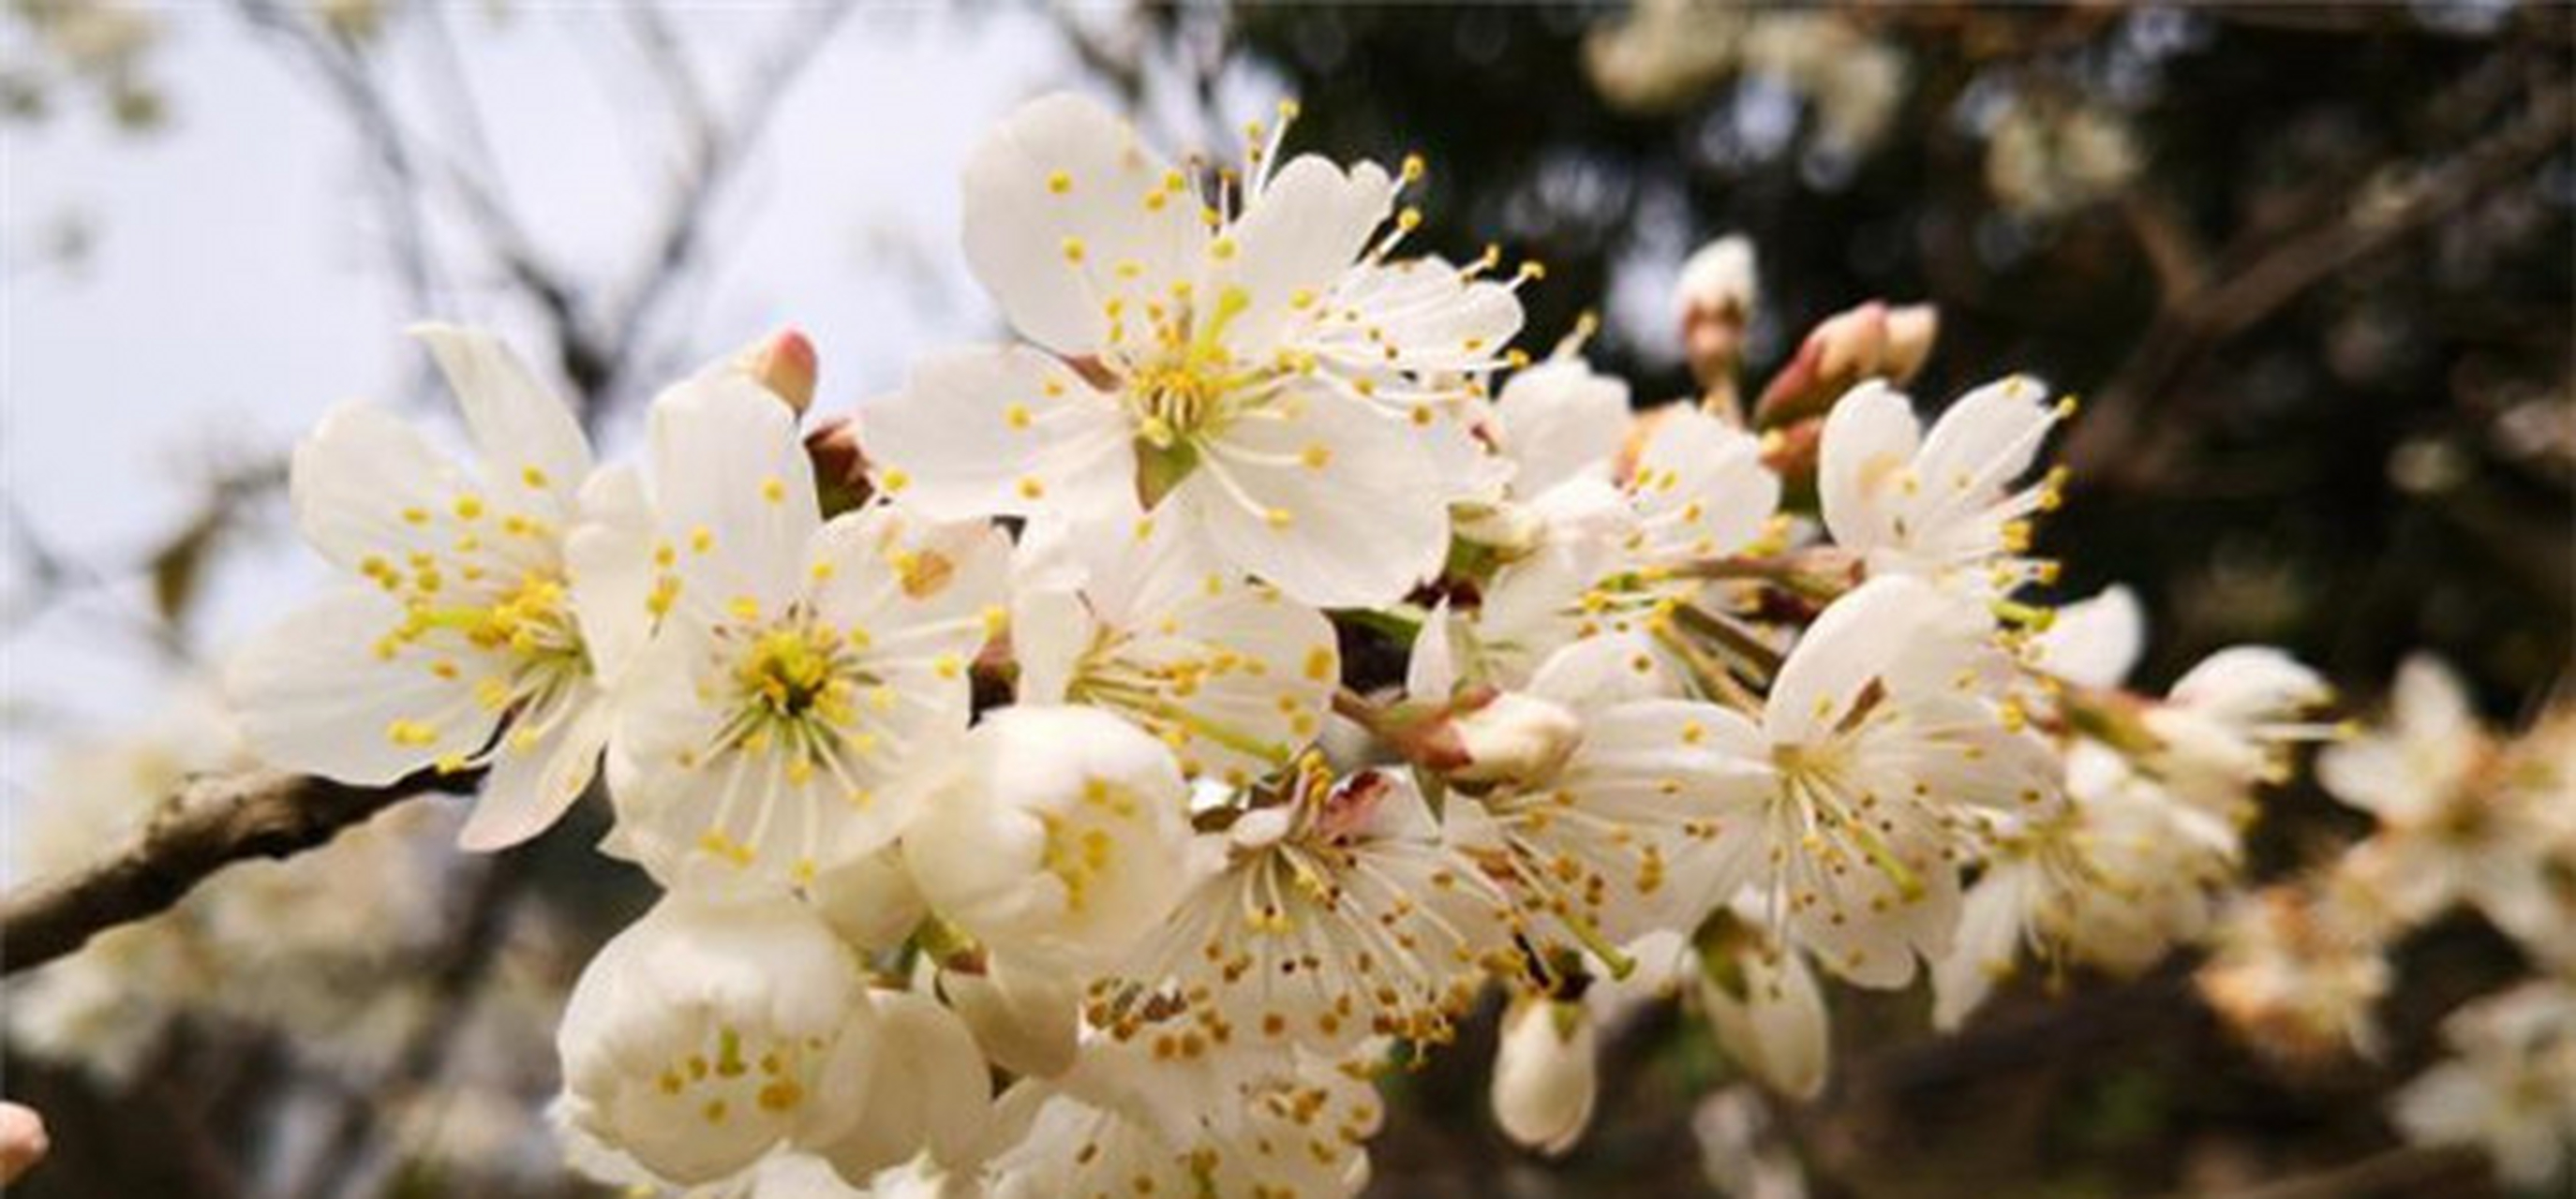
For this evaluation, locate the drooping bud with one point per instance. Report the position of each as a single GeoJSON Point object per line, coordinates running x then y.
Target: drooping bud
{"type": "Point", "coordinates": [1714, 301]}
{"type": "Point", "coordinates": [1546, 1076]}
{"type": "Point", "coordinates": [1872, 341]}
{"type": "Point", "coordinates": [1516, 737]}
{"type": "Point", "coordinates": [783, 362]}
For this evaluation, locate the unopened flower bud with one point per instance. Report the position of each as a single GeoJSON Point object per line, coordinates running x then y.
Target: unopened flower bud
{"type": "Point", "coordinates": [1059, 842]}
{"type": "Point", "coordinates": [1910, 332]}
{"type": "Point", "coordinates": [784, 363]}
{"type": "Point", "coordinates": [22, 1140]}
{"type": "Point", "coordinates": [1719, 279]}
{"type": "Point", "coordinates": [1545, 1074]}
{"type": "Point", "coordinates": [1026, 1022]}
{"type": "Point", "coordinates": [1518, 737]}
{"type": "Point", "coordinates": [1714, 302]}
{"type": "Point", "coordinates": [1870, 341]}
{"type": "Point", "coordinates": [1510, 530]}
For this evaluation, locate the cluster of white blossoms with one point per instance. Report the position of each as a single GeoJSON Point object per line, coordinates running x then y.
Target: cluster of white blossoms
{"type": "Point", "coordinates": [2466, 820]}
{"type": "Point", "coordinates": [1215, 697]}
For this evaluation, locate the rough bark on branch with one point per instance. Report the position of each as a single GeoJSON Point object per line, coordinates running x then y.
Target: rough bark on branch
{"type": "Point", "coordinates": [211, 823]}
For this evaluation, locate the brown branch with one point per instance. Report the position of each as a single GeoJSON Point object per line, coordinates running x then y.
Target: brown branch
{"type": "Point", "coordinates": [212, 823]}
{"type": "Point", "coordinates": [2107, 446]}
{"type": "Point", "coordinates": [2400, 1170]}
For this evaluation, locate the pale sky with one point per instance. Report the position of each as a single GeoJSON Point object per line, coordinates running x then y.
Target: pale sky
{"type": "Point", "coordinates": [240, 285]}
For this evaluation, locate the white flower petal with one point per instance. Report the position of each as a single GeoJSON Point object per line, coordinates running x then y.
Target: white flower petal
{"type": "Point", "coordinates": [529, 438]}
{"type": "Point", "coordinates": [531, 787]}
{"type": "Point", "coordinates": [734, 492]}
{"type": "Point", "coordinates": [1852, 643]}
{"type": "Point", "coordinates": [1868, 445]}
{"type": "Point", "coordinates": [2095, 642]}
{"type": "Point", "coordinates": [1702, 490]}
{"type": "Point", "coordinates": [1326, 499]}
{"type": "Point", "coordinates": [365, 483]}
{"type": "Point", "coordinates": [608, 564]}
{"type": "Point", "coordinates": [1007, 432]}
{"type": "Point", "coordinates": [314, 695]}
{"type": "Point", "coordinates": [1559, 419]}
{"type": "Point", "coordinates": [1304, 231]}
{"type": "Point", "coordinates": [1985, 440]}
{"type": "Point", "coordinates": [1066, 210]}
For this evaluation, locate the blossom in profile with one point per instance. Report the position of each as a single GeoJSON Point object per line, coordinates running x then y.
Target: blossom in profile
{"type": "Point", "coordinates": [1948, 505]}
{"type": "Point", "coordinates": [1869, 780]}
{"type": "Point", "coordinates": [462, 639]}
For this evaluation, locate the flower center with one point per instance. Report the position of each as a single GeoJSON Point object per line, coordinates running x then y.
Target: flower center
{"type": "Point", "coordinates": [789, 671]}
{"type": "Point", "coordinates": [796, 687]}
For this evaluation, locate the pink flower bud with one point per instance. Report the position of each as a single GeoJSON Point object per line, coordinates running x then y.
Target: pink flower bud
{"type": "Point", "coordinates": [22, 1140]}
{"type": "Point", "coordinates": [1870, 341]}
{"type": "Point", "coordinates": [1516, 737]}
{"type": "Point", "coordinates": [783, 362]}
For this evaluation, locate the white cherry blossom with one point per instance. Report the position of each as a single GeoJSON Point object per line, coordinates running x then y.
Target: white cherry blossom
{"type": "Point", "coordinates": [1946, 505]}
{"type": "Point", "coordinates": [803, 669]}
{"type": "Point", "coordinates": [1342, 912]}
{"type": "Point", "coordinates": [1259, 368]}
{"type": "Point", "coordinates": [459, 642]}
{"type": "Point", "coordinates": [1233, 676]}
{"type": "Point", "coordinates": [1872, 774]}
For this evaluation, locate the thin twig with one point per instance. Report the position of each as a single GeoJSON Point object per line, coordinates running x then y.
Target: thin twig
{"type": "Point", "coordinates": [209, 825]}
{"type": "Point", "coordinates": [2106, 448]}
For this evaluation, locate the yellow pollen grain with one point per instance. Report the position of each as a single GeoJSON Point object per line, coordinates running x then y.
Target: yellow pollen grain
{"type": "Point", "coordinates": [701, 540]}
{"type": "Point", "coordinates": [1319, 663]}
{"type": "Point", "coordinates": [773, 490]}
{"type": "Point", "coordinates": [1073, 249]}
{"type": "Point", "coordinates": [1059, 183]}
{"type": "Point", "coordinates": [1315, 456]}
{"type": "Point", "coordinates": [533, 477]}
{"type": "Point", "coordinates": [1278, 518]}
{"type": "Point", "coordinates": [468, 507]}
{"type": "Point", "coordinates": [1016, 416]}
{"type": "Point", "coordinates": [1031, 488]}
{"type": "Point", "coordinates": [895, 479]}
